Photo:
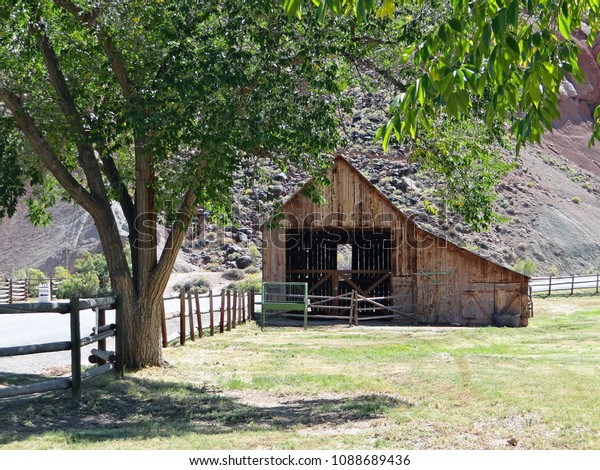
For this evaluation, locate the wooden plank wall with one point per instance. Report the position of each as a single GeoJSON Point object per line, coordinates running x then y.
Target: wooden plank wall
{"type": "Point", "coordinates": [465, 297]}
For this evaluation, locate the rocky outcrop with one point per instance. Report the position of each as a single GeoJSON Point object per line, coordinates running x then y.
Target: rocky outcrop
{"type": "Point", "coordinates": [578, 100]}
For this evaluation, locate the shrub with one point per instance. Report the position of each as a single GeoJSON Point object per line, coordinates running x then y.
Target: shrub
{"type": "Point", "coordinates": [576, 199]}
{"type": "Point", "coordinates": [253, 280]}
{"type": "Point", "coordinates": [60, 272]}
{"type": "Point", "coordinates": [254, 252]}
{"type": "Point", "coordinates": [200, 285]}
{"type": "Point", "coordinates": [214, 267]}
{"type": "Point", "coordinates": [234, 274]}
{"type": "Point", "coordinates": [526, 267]}
{"type": "Point", "coordinates": [79, 285]}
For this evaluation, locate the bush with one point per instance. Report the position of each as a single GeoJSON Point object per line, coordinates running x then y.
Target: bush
{"type": "Point", "coordinates": [526, 267]}
{"type": "Point", "coordinates": [88, 263]}
{"type": "Point", "coordinates": [214, 267]}
{"type": "Point", "coordinates": [60, 272]}
{"type": "Point", "coordinates": [253, 280]}
{"type": "Point", "coordinates": [200, 285]}
{"type": "Point", "coordinates": [234, 274]}
{"type": "Point", "coordinates": [254, 252]}
{"type": "Point", "coordinates": [79, 285]}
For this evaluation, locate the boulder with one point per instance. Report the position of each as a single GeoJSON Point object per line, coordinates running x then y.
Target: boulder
{"type": "Point", "coordinates": [243, 262]}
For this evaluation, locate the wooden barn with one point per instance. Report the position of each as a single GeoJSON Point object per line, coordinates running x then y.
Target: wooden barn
{"type": "Point", "coordinates": [359, 241]}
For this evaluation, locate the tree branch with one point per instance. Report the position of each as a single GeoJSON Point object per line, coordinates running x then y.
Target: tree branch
{"type": "Point", "coordinates": [45, 152]}
{"type": "Point", "coordinates": [160, 274]}
{"type": "Point", "coordinates": [85, 150]}
{"type": "Point", "coordinates": [383, 73]}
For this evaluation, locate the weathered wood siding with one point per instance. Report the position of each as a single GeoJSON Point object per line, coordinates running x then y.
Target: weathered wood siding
{"type": "Point", "coordinates": [474, 292]}
{"type": "Point", "coordinates": [352, 202]}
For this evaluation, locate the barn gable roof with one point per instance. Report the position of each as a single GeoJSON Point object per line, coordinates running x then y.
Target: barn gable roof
{"type": "Point", "coordinates": [339, 160]}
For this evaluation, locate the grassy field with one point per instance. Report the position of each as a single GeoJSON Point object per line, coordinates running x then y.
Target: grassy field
{"type": "Point", "coordinates": [336, 387]}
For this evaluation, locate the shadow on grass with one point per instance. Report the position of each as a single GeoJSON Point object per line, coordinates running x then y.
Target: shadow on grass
{"type": "Point", "coordinates": [9, 379]}
{"type": "Point", "coordinates": [136, 408]}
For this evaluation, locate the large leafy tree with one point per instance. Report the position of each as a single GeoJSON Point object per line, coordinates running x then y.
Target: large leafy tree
{"type": "Point", "coordinates": [504, 59]}
{"type": "Point", "coordinates": [155, 105]}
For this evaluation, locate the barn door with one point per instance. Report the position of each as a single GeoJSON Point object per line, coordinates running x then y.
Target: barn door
{"type": "Point", "coordinates": [507, 304]}
{"type": "Point", "coordinates": [478, 305]}
{"type": "Point", "coordinates": [403, 292]}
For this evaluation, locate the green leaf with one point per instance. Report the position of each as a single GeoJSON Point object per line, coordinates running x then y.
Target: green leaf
{"type": "Point", "coordinates": [456, 25]}
{"type": "Point", "coordinates": [512, 14]}
{"type": "Point", "coordinates": [512, 43]}
{"type": "Point", "coordinates": [499, 25]}
{"type": "Point", "coordinates": [292, 7]}
{"type": "Point", "coordinates": [564, 25]}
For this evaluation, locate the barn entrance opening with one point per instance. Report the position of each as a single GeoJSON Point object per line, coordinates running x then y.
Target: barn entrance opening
{"type": "Point", "coordinates": [335, 262]}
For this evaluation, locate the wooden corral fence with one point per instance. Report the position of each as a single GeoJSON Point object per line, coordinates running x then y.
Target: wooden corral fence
{"type": "Point", "coordinates": [206, 314]}
{"type": "Point", "coordinates": [551, 284]}
{"type": "Point", "coordinates": [352, 307]}
{"type": "Point", "coordinates": [19, 290]}
{"type": "Point", "coordinates": [106, 360]}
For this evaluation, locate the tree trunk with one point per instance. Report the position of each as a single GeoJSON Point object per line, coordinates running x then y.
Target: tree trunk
{"type": "Point", "coordinates": [141, 309]}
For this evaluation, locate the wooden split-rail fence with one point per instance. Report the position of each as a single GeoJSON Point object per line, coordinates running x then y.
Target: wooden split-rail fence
{"type": "Point", "coordinates": [206, 314]}
{"type": "Point", "coordinates": [106, 361]}
{"type": "Point", "coordinates": [20, 290]}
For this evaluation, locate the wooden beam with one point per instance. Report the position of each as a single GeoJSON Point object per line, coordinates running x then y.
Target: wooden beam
{"type": "Point", "coordinates": [60, 383]}
{"type": "Point", "coordinates": [35, 349]}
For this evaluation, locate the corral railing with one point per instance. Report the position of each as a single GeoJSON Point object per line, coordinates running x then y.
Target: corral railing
{"type": "Point", "coordinates": [19, 290]}
{"type": "Point", "coordinates": [106, 360]}
{"type": "Point", "coordinates": [352, 307]}
{"type": "Point", "coordinates": [206, 314]}
{"type": "Point", "coordinates": [552, 284]}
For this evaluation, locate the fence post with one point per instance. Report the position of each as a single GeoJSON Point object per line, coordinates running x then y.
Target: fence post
{"type": "Point", "coordinates": [101, 322]}
{"type": "Point", "coordinates": [550, 286]}
{"type": "Point", "coordinates": [251, 304]}
{"type": "Point", "coordinates": [191, 316]}
{"type": "Point", "coordinates": [211, 313]}
{"type": "Point", "coordinates": [75, 350]}
{"type": "Point", "coordinates": [572, 283]}
{"type": "Point", "coordinates": [234, 309]}
{"type": "Point", "coordinates": [10, 290]}
{"type": "Point", "coordinates": [597, 281]}
{"type": "Point", "coordinates": [228, 310]}
{"type": "Point", "coordinates": [182, 316]}
{"type": "Point", "coordinates": [163, 325]}
{"type": "Point", "coordinates": [198, 315]}
{"type": "Point", "coordinates": [244, 299]}
{"type": "Point", "coordinates": [120, 337]}
{"type": "Point", "coordinates": [352, 300]}
{"type": "Point", "coordinates": [222, 321]}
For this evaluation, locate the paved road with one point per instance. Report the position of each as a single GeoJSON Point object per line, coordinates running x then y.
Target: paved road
{"type": "Point", "coordinates": [22, 329]}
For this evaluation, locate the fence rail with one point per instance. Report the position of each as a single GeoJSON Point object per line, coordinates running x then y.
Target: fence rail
{"type": "Point", "coordinates": [552, 284]}
{"type": "Point", "coordinates": [106, 360]}
{"type": "Point", "coordinates": [348, 306]}
{"type": "Point", "coordinates": [19, 290]}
